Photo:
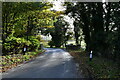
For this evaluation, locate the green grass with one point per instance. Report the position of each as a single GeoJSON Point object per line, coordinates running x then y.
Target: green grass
{"type": "Point", "coordinates": [104, 68]}
{"type": "Point", "coordinates": [99, 67]}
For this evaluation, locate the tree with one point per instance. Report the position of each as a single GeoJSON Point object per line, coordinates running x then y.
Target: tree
{"type": "Point", "coordinates": [17, 16]}
{"type": "Point", "coordinates": [22, 21]}
{"type": "Point", "coordinates": [58, 33]}
{"type": "Point", "coordinates": [100, 25]}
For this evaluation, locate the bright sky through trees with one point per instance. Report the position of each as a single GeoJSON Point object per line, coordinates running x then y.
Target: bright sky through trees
{"type": "Point", "coordinates": [58, 6]}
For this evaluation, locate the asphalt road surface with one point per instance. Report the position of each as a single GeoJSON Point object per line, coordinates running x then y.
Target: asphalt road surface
{"type": "Point", "coordinates": [54, 63]}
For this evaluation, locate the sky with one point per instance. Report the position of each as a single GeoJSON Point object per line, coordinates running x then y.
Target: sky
{"type": "Point", "coordinates": [58, 7]}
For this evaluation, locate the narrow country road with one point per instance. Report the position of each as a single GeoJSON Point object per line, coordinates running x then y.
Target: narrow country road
{"type": "Point", "coordinates": [54, 63]}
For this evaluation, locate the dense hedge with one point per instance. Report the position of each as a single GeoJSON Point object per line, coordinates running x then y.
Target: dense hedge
{"type": "Point", "coordinates": [14, 45]}
{"type": "Point", "coordinates": [35, 43]}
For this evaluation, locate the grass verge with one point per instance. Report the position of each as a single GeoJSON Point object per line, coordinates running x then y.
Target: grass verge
{"type": "Point", "coordinates": [97, 68]}
{"type": "Point", "coordinates": [11, 61]}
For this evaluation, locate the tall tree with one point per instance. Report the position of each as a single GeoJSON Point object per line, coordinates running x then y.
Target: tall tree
{"type": "Point", "coordinates": [58, 33]}
{"type": "Point", "coordinates": [100, 25]}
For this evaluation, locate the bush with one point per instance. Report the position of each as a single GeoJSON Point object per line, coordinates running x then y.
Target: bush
{"type": "Point", "coordinates": [35, 43]}
{"type": "Point", "coordinates": [51, 44]}
{"type": "Point", "coordinates": [38, 37]}
{"type": "Point", "coordinates": [14, 45]}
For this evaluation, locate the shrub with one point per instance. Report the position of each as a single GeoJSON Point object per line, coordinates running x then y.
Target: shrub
{"type": "Point", "coordinates": [14, 45]}
{"type": "Point", "coordinates": [51, 44]}
{"type": "Point", "coordinates": [38, 37]}
{"type": "Point", "coordinates": [35, 43]}
{"type": "Point", "coordinates": [26, 57]}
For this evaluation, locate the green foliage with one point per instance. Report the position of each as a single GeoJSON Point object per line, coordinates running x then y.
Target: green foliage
{"type": "Point", "coordinates": [99, 67]}
{"type": "Point", "coordinates": [4, 63]}
{"type": "Point", "coordinates": [100, 26]}
{"type": "Point", "coordinates": [10, 61]}
{"type": "Point", "coordinates": [31, 53]}
{"type": "Point", "coordinates": [51, 44]}
{"type": "Point", "coordinates": [35, 43]}
{"type": "Point", "coordinates": [59, 32]}
{"type": "Point", "coordinates": [13, 45]}
{"type": "Point", "coordinates": [103, 68]}
{"type": "Point", "coordinates": [26, 57]}
{"type": "Point", "coordinates": [21, 19]}
{"type": "Point", "coordinates": [38, 37]}
{"type": "Point", "coordinates": [26, 17]}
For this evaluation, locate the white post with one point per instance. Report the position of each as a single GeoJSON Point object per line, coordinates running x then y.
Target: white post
{"type": "Point", "coordinates": [24, 48]}
{"type": "Point", "coordinates": [90, 55]}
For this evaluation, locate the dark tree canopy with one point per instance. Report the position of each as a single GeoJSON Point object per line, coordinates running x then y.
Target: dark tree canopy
{"type": "Point", "coordinates": [100, 25]}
